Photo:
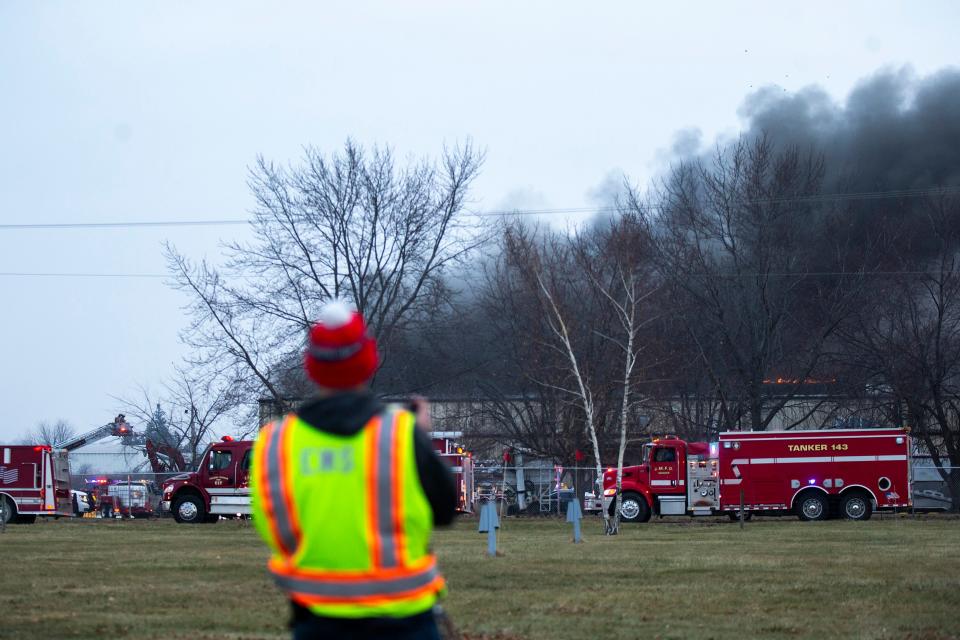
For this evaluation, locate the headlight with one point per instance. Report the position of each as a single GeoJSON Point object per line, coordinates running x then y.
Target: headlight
{"type": "Point", "coordinates": [610, 492]}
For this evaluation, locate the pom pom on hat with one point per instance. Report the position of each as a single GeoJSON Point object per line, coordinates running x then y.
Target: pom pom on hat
{"type": "Point", "coordinates": [340, 353]}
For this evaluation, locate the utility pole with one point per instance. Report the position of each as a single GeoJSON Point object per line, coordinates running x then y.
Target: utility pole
{"type": "Point", "coordinates": [193, 437]}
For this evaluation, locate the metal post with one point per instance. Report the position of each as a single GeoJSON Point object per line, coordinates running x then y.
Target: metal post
{"type": "Point", "coordinates": [741, 508]}
{"type": "Point", "coordinates": [193, 438]}
{"type": "Point", "coordinates": [574, 515]}
{"type": "Point", "coordinates": [521, 482]}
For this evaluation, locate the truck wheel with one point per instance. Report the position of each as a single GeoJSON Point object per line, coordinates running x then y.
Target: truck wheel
{"type": "Point", "coordinates": [189, 509]}
{"type": "Point", "coordinates": [813, 506]}
{"type": "Point", "coordinates": [633, 508]}
{"type": "Point", "coordinates": [856, 506]}
{"type": "Point", "coordinates": [735, 516]}
{"type": "Point", "coordinates": [9, 510]}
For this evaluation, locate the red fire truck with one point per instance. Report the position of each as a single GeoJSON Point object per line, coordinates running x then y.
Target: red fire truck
{"type": "Point", "coordinates": [461, 464]}
{"type": "Point", "coordinates": [813, 474]}
{"type": "Point", "coordinates": [220, 486]}
{"type": "Point", "coordinates": [34, 481]}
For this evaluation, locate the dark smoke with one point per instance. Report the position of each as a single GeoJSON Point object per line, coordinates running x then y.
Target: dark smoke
{"type": "Point", "coordinates": [895, 130]}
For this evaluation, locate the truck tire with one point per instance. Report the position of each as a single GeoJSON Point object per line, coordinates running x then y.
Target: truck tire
{"type": "Point", "coordinates": [633, 508]}
{"type": "Point", "coordinates": [189, 509]}
{"type": "Point", "coordinates": [735, 516]}
{"type": "Point", "coordinates": [9, 510]}
{"type": "Point", "coordinates": [855, 505]}
{"type": "Point", "coordinates": [812, 506]}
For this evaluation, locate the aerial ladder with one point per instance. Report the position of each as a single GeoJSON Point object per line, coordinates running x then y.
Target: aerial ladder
{"type": "Point", "coordinates": [118, 427]}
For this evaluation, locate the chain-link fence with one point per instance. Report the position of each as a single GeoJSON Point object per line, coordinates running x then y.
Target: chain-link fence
{"type": "Point", "coordinates": [537, 488]}
{"type": "Point", "coordinates": [542, 489]}
{"type": "Point", "coordinates": [530, 488]}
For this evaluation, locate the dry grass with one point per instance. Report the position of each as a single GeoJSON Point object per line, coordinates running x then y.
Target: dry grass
{"type": "Point", "coordinates": [896, 578]}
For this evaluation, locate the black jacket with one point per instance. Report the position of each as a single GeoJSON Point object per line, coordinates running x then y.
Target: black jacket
{"type": "Point", "coordinates": [347, 413]}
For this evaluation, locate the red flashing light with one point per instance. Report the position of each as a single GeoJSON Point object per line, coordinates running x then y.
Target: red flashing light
{"type": "Point", "coordinates": [42, 447]}
{"type": "Point", "coordinates": [227, 438]}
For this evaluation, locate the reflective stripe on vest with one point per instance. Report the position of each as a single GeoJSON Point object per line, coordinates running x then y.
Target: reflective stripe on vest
{"type": "Point", "coordinates": [348, 588]}
{"type": "Point", "coordinates": [386, 489]}
{"type": "Point", "coordinates": [390, 577]}
{"type": "Point", "coordinates": [278, 503]}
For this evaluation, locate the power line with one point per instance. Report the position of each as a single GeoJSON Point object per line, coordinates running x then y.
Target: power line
{"type": "Point", "coordinates": [700, 275]}
{"type": "Point", "coordinates": [19, 274]}
{"type": "Point", "coordinates": [826, 197]}
{"type": "Point", "coordinates": [122, 225]}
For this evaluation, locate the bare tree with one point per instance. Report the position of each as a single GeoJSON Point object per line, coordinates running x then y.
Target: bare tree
{"type": "Point", "coordinates": [581, 390]}
{"type": "Point", "coordinates": [762, 286]}
{"type": "Point", "coordinates": [50, 433]}
{"type": "Point", "coordinates": [350, 225]}
{"type": "Point", "coordinates": [906, 342]}
{"type": "Point", "coordinates": [184, 416]}
{"type": "Point", "coordinates": [619, 268]}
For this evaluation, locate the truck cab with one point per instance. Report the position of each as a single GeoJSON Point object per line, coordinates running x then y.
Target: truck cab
{"type": "Point", "coordinates": [660, 485]}
{"type": "Point", "coordinates": [219, 487]}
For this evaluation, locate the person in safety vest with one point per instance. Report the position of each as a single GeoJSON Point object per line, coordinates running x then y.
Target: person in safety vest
{"type": "Point", "coordinates": [346, 492]}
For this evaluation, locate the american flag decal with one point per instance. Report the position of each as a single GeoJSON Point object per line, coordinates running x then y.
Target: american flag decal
{"type": "Point", "coordinates": [9, 476]}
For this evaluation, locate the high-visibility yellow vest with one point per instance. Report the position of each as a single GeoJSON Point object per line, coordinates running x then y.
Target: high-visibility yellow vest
{"type": "Point", "coordinates": [346, 517]}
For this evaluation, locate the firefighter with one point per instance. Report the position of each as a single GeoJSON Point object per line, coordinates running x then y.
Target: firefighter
{"type": "Point", "coordinates": [345, 493]}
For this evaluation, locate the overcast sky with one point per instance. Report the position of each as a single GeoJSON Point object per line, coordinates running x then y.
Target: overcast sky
{"type": "Point", "coordinates": [130, 111]}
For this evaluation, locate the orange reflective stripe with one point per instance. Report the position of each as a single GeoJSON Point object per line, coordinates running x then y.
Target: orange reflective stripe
{"type": "Point", "coordinates": [384, 498]}
{"type": "Point", "coordinates": [396, 468]}
{"type": "Point", "coordinates": [347, 575]}
{"type": "Point", "coordinates": [373, 529]}
{"type": "Point", "coordinates": [275, 472]}
{"type": "Point", "coordinates": [286, 479]}
{"type": "Point", "coordinates": [264, 489]}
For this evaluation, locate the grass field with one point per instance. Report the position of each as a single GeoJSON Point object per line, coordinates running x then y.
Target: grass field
{"type": "Point", "coordinates": [895, 578]}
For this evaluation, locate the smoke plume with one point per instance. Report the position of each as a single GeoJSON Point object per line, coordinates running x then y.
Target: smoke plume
{"type": "Point", "coordinates": [895, 130]}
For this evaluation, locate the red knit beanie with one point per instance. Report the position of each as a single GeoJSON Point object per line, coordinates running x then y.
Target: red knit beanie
{"type": "Point", "coordinates": [340, 353]}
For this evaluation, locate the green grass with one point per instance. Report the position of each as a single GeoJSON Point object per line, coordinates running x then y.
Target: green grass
{"type": "Point", "coordinates": [895, 578]}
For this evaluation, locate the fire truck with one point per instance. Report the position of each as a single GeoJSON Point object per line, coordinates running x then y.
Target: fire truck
{"type": "Point", "coordinates": [34, 481]}
{"type": "Point", "coordinates": [220, 486]}
{"type": "Point", "coordinates": [461, 464]}
{"type": "Point", "coordinates": [123, 498]}
{"type": "Point", "coordinates": [812, 474]}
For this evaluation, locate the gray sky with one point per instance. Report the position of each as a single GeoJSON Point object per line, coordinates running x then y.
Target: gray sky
{"type": "Point", "coordinates": [153, 111]}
